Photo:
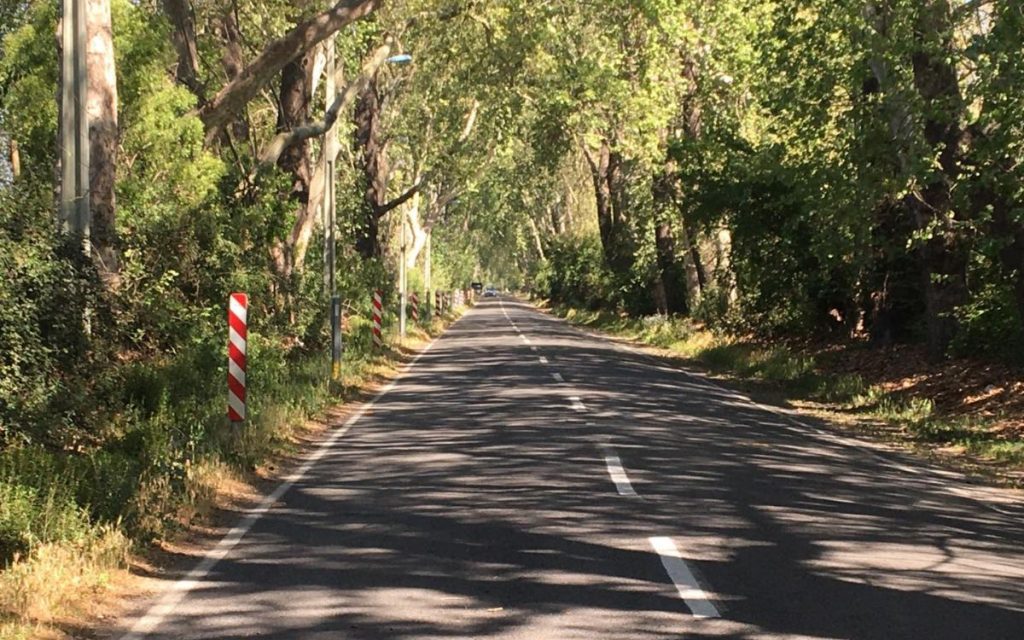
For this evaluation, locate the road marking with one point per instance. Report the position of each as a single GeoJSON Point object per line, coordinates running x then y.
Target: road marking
{"type": "Point", "coordinates": [543, 360]}
{"type": "Point", "coordinates": [524, 338]}
{"type": "Point", "coordinates": [166, 605]}
{"type": "Point", "coordinates": [618, 476]}
{"type": "Point", "coordinates": [533, 349]}
{"type": "Point", "coordinates": [684, 580]}
{"type": "Point", "coordinates": [558, 377]}
{"type": "Point", "coordinates": [576, 404]}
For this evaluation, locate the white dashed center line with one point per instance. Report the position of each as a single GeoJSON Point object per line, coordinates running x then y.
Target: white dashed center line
{"type": "Point", "coordinates": [524, 338]}
{"type": "Point", "coordinates": [543, 360]}
{"type": "Point", "coordinates": [618, 476]}
{"type": "Point", "coordinates": [576, 404]}
{"type": "Point", "coordinates": [686, 584]}
{"type": "Point", "coordinates": [558, 377]}
{"type": "Point", "coordinates": [533, 348]}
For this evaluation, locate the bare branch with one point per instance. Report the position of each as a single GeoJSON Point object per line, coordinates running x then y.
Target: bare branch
{"type": "Point", "coordinates": [237, 92]}
{"type": "Point", "coordinates": [273, 150]}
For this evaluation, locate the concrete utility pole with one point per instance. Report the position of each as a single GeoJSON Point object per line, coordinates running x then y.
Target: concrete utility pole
{"type": "Point", "coordinates": [73, 217]}
{"type": "Point", "coordinates": [329, 209]}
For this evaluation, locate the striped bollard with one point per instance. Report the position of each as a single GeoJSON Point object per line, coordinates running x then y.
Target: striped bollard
{"type": "Point", "coordinates": [414, 301]}
{"type": "Point", "coordinates": [437, 303]}
{"type": "Point", "coordinates": [378, 339]}
{"type": "Point", "coordinates": [238, 305]}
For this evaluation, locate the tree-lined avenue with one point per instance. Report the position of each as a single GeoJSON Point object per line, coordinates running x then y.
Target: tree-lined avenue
{"type": "Point", "coordinates": [481, 497]}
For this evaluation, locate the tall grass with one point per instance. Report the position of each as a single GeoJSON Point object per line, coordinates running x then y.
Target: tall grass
{"type": "Point", "coordinates": [68, 518]}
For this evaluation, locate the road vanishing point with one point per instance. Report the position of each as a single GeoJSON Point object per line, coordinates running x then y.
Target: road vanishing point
{"type": "Point", "coordinates": [526, 480]}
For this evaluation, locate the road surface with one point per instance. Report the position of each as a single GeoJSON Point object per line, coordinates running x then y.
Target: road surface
{"type": "Point", "coordinates": [525, 480]}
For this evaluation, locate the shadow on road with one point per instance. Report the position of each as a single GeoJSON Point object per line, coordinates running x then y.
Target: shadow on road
{"type": "Point", "coordinates": [472, 502]}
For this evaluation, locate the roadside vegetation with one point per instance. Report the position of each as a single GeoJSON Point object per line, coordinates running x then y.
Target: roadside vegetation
{"type": "Point", "coordinates": [71, 519]}
{"type": "Point", "coordinates": [965, 413]}
{"type": "Point", "coordinates": [773, 188]}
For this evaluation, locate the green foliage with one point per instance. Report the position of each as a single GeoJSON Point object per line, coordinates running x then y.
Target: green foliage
{"type": "Point", "coordinates": [990, 326]}
{"type": "Point", "coordinates": [575, 274]}
{"type": "Point", "coordinates": [31, 516]}
{"type": "Point", "coordinates": [796, 128]}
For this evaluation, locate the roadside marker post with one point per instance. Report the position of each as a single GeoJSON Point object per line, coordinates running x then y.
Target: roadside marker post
{"type": "Point", "coordinates": [414, 303]}
{"type": "Point", "coordinates": [238, 306]}
{"type": "Point", "coordinates": [378, 339]}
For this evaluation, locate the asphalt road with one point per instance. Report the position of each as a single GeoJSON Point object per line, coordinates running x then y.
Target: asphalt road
{"type": "Point", "coordinates": [524, 480]}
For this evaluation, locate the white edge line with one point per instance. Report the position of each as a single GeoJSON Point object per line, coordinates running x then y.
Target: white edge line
{"type": "Point", "coordinates": [156, 614]}
{"type": "Point", "coordinates": [684, 580]}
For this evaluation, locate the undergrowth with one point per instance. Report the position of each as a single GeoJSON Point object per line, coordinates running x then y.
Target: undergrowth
{"type": "Point", "coordinates": [69, 517]}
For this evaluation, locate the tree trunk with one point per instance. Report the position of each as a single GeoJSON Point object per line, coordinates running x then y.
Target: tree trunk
{"type": "Point", "coordinates": [670, 286]}
{"type": "Point", "coordinates": [724, 277]}
{"type": "Point", "coordinates": [293, 110]}
{"type": "Point", "coordinates": [179, 12]}
{"type": "Point", "coordinates": [419, 234]}
{"type": "Point", "coordinates": [610, 195]}
{"type": "Point", "coordinates": [216, 113]}
{"type": "Point", "coordinates": [373, 165]}
{"type": "Point", "coordinates": [14, 158]}
{"type": "Point", "coordinates": [101, 111]}
{"type": "Point", "coordinates": [945, 250]}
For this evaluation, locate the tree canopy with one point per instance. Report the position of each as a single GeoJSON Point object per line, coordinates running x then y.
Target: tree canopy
{"type": "Point", "coordinates": [786, 167]}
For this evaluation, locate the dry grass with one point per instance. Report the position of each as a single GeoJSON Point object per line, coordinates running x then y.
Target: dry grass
{"type": "Point", "coordinates": [57, 580]}
{"type": "Point", "coordinates": [69, 580]}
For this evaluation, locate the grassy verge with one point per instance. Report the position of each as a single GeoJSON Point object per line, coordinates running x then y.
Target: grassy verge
{"type": "Point", "coordinates": [70, 520]}
{"type": "Point", "coordinates": [802, 378]}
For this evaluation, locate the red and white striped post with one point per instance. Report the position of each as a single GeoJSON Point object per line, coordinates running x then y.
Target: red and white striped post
{"type": "Point", "coordinates": [414, 302]}
{"type": "Point", "coordinates": [378, 339]}
{"type": "Point", "coordinates": [238, 305]}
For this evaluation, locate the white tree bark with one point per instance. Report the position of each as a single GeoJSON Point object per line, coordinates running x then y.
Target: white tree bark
{"type": "Point", "coordinates": [101, 114]}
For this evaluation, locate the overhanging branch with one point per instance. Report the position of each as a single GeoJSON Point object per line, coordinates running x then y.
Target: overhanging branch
{"type": "Point", "coordinates": [273, 150]}
{"type": "Point", "coordinates": [247, 84]}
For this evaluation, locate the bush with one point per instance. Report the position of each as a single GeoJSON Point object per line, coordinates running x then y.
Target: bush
{"type": "Point", "coordinates": [990, 326]}
{"type": "Point", "coordinates": [32, 516]}
{"type": "Point", "coordinates": [575, 274]}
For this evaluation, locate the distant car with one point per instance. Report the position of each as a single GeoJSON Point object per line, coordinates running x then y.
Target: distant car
{"type": "Point", "coordinates": [490, 292]}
